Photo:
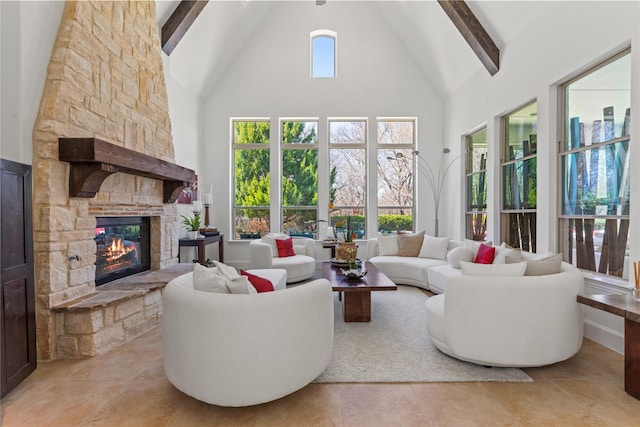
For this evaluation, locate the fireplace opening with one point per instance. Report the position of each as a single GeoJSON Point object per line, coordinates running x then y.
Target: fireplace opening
{"type": "Point", "coordinates": [122, 247]}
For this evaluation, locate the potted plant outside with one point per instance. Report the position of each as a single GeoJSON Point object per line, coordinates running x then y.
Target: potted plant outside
{"type": "Point", "coordinates": [192, 224]}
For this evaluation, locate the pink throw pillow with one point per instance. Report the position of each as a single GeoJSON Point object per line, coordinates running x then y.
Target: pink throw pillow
{"type": "Point", "coordinates": [485, 254]}
{"type": "Point", "coordinates": [259, 283]}
{"type": "Point", "coordinates": [285, 247]}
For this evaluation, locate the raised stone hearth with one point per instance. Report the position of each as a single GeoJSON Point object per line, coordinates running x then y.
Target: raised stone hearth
{"type": "Point", "coordinates": [116, 312]}
{"type": "Point", "coordinates": [105, 80]}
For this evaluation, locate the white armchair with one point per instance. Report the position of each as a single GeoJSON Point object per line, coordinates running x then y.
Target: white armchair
{"type": "Point", "coordinates": [299, 267]}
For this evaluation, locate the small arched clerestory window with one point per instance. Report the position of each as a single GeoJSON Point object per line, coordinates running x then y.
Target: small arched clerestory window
{"type": "Point", "coordinates": [324, 54]}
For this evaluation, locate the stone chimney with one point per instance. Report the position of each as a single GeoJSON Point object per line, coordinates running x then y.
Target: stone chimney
{"type": "Point", "coordinates": [104, 80]}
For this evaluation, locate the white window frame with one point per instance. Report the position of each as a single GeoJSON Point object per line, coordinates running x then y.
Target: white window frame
{"type": "Point", "coordinates": [404, 146]}
{"type": "Point", "coordinates": [324, 33]}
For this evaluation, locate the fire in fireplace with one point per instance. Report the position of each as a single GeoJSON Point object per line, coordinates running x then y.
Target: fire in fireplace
{"type": "Point", "coordinates": [122, 247]}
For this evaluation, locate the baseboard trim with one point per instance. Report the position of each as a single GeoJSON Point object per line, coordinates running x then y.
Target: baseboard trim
{"type": "Point", "coordinates": [603, 335]}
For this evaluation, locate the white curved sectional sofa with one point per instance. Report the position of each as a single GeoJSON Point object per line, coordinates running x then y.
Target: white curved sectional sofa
{"type": "Point", "coordinates": [241, 350]}
{"type": "Point", "coordinates": [405, 270]}
{"type": "Point", "coordinates": [509, 321]}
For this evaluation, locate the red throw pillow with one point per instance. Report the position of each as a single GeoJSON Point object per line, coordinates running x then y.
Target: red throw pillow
{"type": "Point", "coordinates": [485, 254]}
{"type": "Point", "coordinates": [285, 247]}
{"type": "Point", "coordinates": [260, 283]}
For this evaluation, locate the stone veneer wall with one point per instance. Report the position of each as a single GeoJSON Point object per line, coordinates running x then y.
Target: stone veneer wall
{"type": "Point", "coordinates": [104, 80]}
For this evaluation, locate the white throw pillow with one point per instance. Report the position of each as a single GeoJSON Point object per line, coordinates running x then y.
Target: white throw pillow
{"type": "Point", "coordinates": [388, 244]}
{"type": "Point", "coordinates": [474, 245]}
{"type": "Point", "coordinates": [459, 254]}
{"type": "Point", "coordinates": [503, 251]}
{"type": "Point", "coordinates": [271, 238]}
{"type": "Point", "coordinates": [472, 269]}
{"type": "Point", "coordinates": [529, 256]}
{"type": "Point", "coordinates": [544, 266]}
{"type": "Point", "coordinates": [226, 270]}
{"type": "Point", "coordinates": [434, 247]}
{"type": "Point", "coordinates": [241, 285]}
{"type": "Point", "coordinates": [209, 280]}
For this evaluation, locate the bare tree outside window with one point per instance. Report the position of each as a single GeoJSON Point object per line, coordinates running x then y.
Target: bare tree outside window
{"type": "Point", "coordinates": [348, 165]}
{"type": "Point", "coordinates": [395, 173]}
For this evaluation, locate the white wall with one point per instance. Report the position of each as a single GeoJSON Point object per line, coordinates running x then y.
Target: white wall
{"type": "Point", "coordinates": [270, 78]}
{"type": "Point", "coordinates": [186, 134]}
{"type": "Point", "coordinates": [571, 37]}
{"type": "Point", "coordinates": [28, 31]}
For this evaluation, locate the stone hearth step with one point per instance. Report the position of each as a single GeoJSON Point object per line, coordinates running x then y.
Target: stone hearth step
{"type": "Point", "coordinates": [115, 313]}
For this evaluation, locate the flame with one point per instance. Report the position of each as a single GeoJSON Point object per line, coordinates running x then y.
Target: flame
{"type": "Point", "coordinates": [117, 249]}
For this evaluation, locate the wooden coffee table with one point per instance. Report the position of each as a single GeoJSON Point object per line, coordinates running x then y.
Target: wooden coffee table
{"type": "Point", "coordinates": [357, 293]}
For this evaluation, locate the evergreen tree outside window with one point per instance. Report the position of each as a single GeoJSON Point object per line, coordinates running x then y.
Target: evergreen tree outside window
{"type": "Point", "coordinates": [519, 178]}
{"type": "Point", "coordinates": [396, 174]}
{"type": "Point", "coordinates": [323, 54]}
{"type": "Point", "coordinates": [476, 186]}
{"type": "Point", "coordinates": [300, 177]}
{"type": "Point", "coordinates": [595, 165]}
{"type": "Point", "coordinates": [252, 178]}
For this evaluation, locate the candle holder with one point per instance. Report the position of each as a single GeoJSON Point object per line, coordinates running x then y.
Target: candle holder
{"type": "Point", "coordinates": [207, 199]}
{"type": "Point", "coordinates": [196, 207]}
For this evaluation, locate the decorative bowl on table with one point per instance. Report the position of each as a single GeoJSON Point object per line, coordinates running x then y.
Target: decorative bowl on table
{"type": "Point", "coordinates": [354, 274]}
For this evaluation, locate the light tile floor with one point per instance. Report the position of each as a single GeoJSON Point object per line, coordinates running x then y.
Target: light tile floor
{"type": "Point", "coordinates": [127, 387]}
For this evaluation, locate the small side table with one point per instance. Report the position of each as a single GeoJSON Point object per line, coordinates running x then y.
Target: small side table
{"type": "Point", "coordinates": [200, 243]}
{"type": "Point", "coordinates": [626, 307]}
{"type": "Point", "coordinates": [332, 246]}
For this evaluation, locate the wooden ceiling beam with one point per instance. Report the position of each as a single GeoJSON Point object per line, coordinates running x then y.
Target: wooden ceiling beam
{"type": "Point", "coordinates": [474, 33]}
{"type": "Point", "coordinates": [180, 21]}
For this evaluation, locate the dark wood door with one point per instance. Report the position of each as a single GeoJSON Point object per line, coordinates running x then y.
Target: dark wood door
{"type": "Point", "coordinates": [17, 292]}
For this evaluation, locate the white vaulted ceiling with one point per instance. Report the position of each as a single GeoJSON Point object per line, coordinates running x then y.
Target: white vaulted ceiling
{"type": "Point", "coordinates": [421, 28]}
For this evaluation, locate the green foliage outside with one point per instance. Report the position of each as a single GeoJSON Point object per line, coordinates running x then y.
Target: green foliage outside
{"type": "Point", "coordinates": [253, 179]}
{"type": "Point", "coordinates": [130, 232]}
{"type": "Point", "coordinates": [299, 167]}
{"type": "Point", "coordinates": [389, 223]}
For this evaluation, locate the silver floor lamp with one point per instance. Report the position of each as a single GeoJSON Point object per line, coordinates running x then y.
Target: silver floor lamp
{"type": "Point", "coordinates": [435, 178]}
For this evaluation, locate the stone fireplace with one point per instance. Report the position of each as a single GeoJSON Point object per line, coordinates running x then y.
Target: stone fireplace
{"type": "Point", "coordinates": [105, 80]}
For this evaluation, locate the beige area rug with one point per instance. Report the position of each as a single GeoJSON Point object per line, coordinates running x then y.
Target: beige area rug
{"type": "Point", "coordinates": [395, 347]}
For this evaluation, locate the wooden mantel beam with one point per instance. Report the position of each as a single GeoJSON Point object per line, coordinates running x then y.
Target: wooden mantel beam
{"type": "Point", "coordinates": [474, 33]}
{"type": "Point", "coordinates": [180, 21]}
{"type": "Point", "coordinates": [93, 160]}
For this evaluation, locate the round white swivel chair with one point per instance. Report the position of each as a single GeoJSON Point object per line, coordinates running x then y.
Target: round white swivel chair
{"type": "Point", "coordinates": [247, 349]}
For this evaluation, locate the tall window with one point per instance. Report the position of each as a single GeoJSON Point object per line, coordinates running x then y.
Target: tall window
{"type": "Point", "coordinates": [594, 158]}
{"type": "Point", "coordinates": [323, 54]}
{"type": "Point", "coordinates": [300, 177]}
{"type": "Point", "coordinates": [476, 186]}
{"type": "Point", "coordinates": [396, 147]}
{"type": "Point", "coordinates": [519, 179]}
{"type": "Point", "coordinates": [251, 177]}
{"type": "Point", "coordinates": [347, 177]}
